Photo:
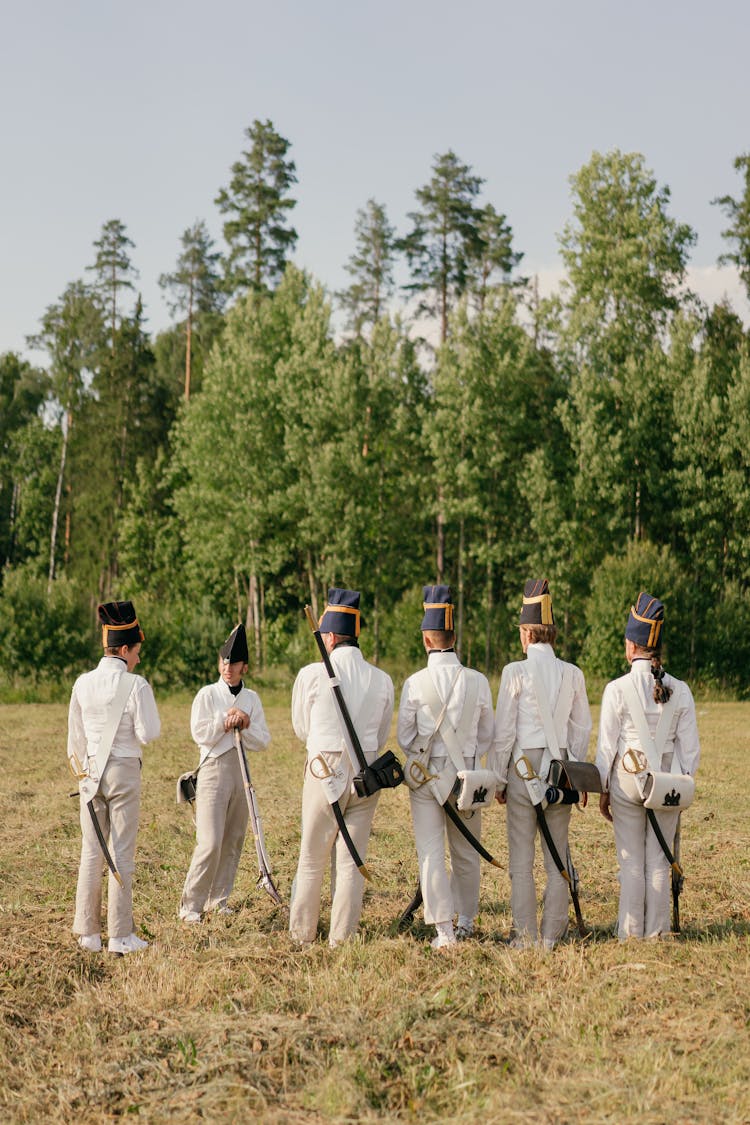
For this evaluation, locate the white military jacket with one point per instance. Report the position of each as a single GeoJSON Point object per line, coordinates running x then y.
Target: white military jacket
{"type": "Point", "coordinates": [209, 711]}
{"type": "Point", "coordinates": [416, 722]}
{"type": "Point", "coordinates": [90, 703]}
{"type": "Point", "coordinates": [367, 692]}
{"type": "Point", "coordinates": [617, 731]}
{"type": "Point", "coordinates": [518, 720]}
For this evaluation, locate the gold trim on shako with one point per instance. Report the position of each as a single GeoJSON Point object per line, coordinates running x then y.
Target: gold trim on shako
{"type": "Point", "coordinates": [119, 629]}
{"type": "Point", "coordinates": [655, 625]}
{"type": "Point", "coordinates": [448, 607]}
{"type": "Point", "coordinates": [545, 600]}
{"type": "Point", "coordinates": [342, 609]}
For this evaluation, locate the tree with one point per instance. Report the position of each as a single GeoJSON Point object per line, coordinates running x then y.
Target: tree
{"type": "Point", "coordinates": [625, 259]}
{"type": "Point", "coordinates": [371, 267]}
{"type": "Point", "coordinates": [738, 231]}
{"type": "Point", "coordinates": [195, 288]}
{"type": "Point", "coordinates": [493, 401]}
{"type": "Point", "coordinates": [113, 268]}
{"type": "Point", "coordinates": [257, 203]}
{"type": "Point", "coordinates": [126, 416]}
{"type": "Point", "coordinates": [23, 390]}
{"type": "Point", "coordinates": [444, 239]}
{"type": "Point", "coordinates": [72, 335]}
{"type": "Point", "coordinates": [494, 253]}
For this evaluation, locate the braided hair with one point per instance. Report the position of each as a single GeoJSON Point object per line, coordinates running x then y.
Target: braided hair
{"type": "Point", "coordinates": [661, 691]}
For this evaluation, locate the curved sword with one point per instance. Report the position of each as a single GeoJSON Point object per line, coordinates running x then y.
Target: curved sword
{"type": "Point", "coordinates": [408, 915]}
{"type": "Point", "coordinates": [103, 842]}
{"type": "Point", "coordinates": [85, 783]}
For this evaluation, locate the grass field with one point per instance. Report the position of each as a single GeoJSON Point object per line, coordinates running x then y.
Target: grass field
{"type": "Point", "coordinates": [225, 1022]}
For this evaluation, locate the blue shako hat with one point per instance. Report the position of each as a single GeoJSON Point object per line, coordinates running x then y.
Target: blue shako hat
{"type": "Point", "coordinates": [234, 648]}
{"type": "Point", "coordinates": [119, 624]}
{"type": "Point", "coordinates": [438, 608]}
{"type": "Point", "coordinates": [645, 622]}
{"type": "Point", "coordinates": [536, 608]}
{"type": "Point", "coordinates": [341, 615]}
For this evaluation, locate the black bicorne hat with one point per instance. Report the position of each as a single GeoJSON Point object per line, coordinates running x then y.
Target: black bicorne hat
{"type": "Point", "coordinates": [645, 622]}
{"type": "Point", "coordinates": [341, 615]}
{"type": "Point", "coordinates": [234, 648]}
{"type": "Point", "coordinates": [119, 624]}
{"type": "Point", "coordinates": [437, 604]}
{"type": "Point", "coordinates": [537, 603]}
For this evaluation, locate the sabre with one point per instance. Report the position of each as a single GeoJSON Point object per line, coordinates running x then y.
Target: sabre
{"type": "Point", "coordinates": [265, 879]}
{"type": "Point", "coordinates": [103, 842]}
{"type": "Point", "coordinates": [674, 863]}
{"type": "Point", "coordinates": [570, 879]}
{"type": "Point", "coordinates": [81, 776]}
{"type": "Point", "coordinates": [408, 915]}
{"type": "Point", "coordinates": [678, 879]}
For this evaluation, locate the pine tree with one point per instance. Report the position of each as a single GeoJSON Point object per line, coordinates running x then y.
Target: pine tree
{"type": "Point", "coordinates": [371, 268]}
{"type": "Point", "coordinates": [738, 231]}
{"type": "Point", "coordinates": [195, 290]}
{"type": "Point", "coordinates": [256, 204]}
{"type": "Point", "coordinates": [444, 238]}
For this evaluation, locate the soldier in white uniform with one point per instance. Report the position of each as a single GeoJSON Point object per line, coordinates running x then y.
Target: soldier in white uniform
{"type": "Point", "coordinates": [329, 771]}
{"type": "Point", "coordinates": [469, 713]}
{"type": "Point", "coordinates": [221, 812]}
{"type": "Point", "coordinates": [645, 877]}
{"type": "Point", "coordinates": [96, 703]}
{"type": "Point", "coordinates": [523, 747]}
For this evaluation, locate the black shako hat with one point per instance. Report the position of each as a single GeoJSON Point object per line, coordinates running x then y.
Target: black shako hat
{"type": "Point", "coordinates": [537, 603]}
{"type": "Point", "coordinates": [341, 615]}
{"type": "Point", "coordinates": [437, 604]}
{"type": "Point", "coordinates": [119, 624]}
{"type": "Point", "coordinates": [645, 622]}
{"type": "Point", "coordinates": [234, 648]}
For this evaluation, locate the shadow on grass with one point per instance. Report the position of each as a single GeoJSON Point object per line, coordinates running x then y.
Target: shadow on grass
{"type": "Point", "coordinates": [717, 931]}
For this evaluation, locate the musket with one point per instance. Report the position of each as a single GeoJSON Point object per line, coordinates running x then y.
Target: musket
{"type": "Point", "coordinates": [80, 776]}
{"type": "Point", "coordinates": [353, 739]}
{"type": "Point", "coordinates": [673, 861]}
{"type": "Point", "coordinates": [265, 879]}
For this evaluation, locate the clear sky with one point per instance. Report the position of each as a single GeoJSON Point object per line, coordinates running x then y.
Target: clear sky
{"type": "Point", "coordinates": [137, 111]}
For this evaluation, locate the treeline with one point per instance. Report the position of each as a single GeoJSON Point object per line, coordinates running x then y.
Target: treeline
{"type": "Point", "coordinates": [457, 429]}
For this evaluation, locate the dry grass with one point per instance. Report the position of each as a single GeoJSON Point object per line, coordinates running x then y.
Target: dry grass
{"type": "Point", "coordinates": [225, 1022]}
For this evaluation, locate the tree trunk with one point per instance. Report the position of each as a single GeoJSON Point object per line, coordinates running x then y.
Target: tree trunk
{"type": "Point", "coordinates": [440, 544]}
{"type": "Point", "coordinates": [312, 586]}
{"type": "Point", "coordinates": [488, 606]}
{"type": "Point", "coordinates": [58, 498]}
{"type": "Point", "coordinates": [188, 354]}
{"type": "Point", "coordinates": [253, 616]}
{"type": "Point", "coordinates": [460, 576]}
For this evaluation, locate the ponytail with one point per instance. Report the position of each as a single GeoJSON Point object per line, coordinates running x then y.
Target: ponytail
{"type": "Point", "coordinates": [661, 691]}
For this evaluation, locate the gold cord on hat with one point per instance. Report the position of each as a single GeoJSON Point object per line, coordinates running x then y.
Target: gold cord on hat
{"type": "Point", "coordinates": [545, 602]}
{"type": "Point", "coordinates": [342, 609]}
{"type": "Point", "coordinates": [447, 606]}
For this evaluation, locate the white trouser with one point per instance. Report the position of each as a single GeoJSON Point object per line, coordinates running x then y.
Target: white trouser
{"type": "Point", "coordinates": [522, 826]}
{"type": "Point", "coordinates": [321, 836]}
{"type": "Point", "coordinates": [117, 805]}
{"type": "Point", "coordinates": [445, 894]}
{"type": "Point", "coordinates": [645, 875]}
{"type": "Point", "coordinates": [221, 817]}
